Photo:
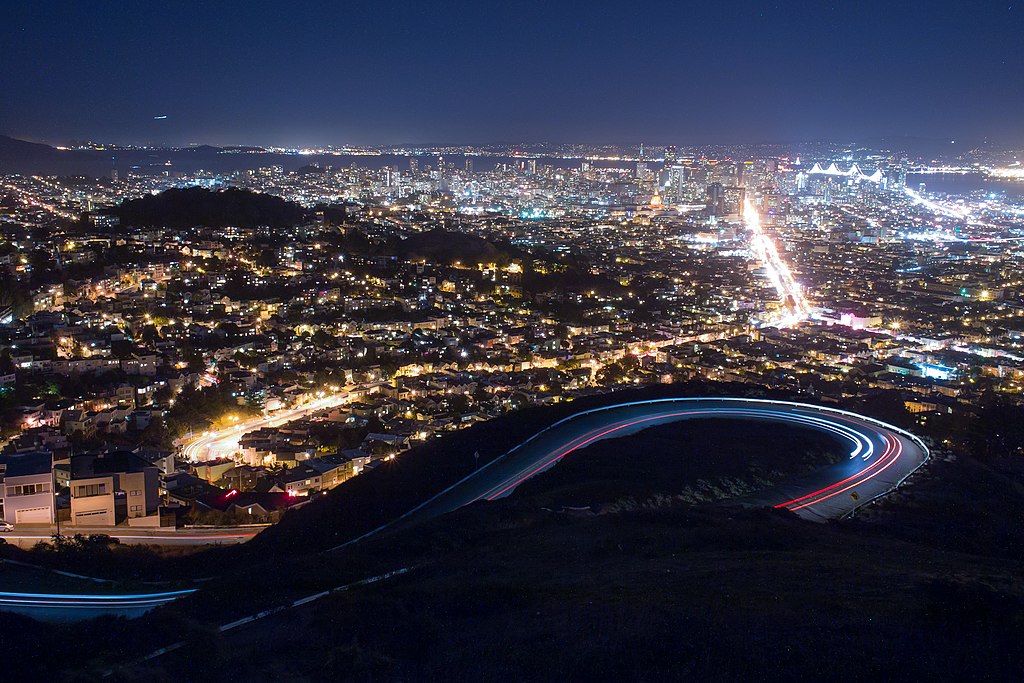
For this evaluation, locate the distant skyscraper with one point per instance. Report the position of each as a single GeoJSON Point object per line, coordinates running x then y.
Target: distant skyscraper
{"type": "Point", "coordinates": [670, 155]}
{"type": "Point", "coordinates": [716, 199]}
{"type": "Point", "coordinates": [531, 166]}
{"type": "Point", "coordinates": [469, 165]}
{"type": "Point", "coordinates": [414, 166]}
{"type": "Point", "coordinates": [675, 178]}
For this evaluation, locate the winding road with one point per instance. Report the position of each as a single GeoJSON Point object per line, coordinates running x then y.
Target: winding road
{"type": "Point", "coordinates": [55, 607]}
{"type": "Point", "coordinates": [881, 456]}
{"type": "Point", "coordinates": [223, 442]}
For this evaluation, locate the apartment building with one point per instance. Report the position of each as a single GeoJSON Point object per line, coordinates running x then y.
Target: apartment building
{"type": "Point", "coordinates": [26, 488]}
{"type": "Point", "coordinates": [111, 488]}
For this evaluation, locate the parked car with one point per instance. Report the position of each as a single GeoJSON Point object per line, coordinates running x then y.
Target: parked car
{"type": "Point", "coordinates": [6, 526]}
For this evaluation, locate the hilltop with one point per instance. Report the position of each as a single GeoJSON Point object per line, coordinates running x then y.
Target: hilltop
{"type": "Point", "coordinates": [448, 247]}
{"type": "Point", "coordinates": [197, 206]}
{"type": "Point", "coordinates": [603, 567]}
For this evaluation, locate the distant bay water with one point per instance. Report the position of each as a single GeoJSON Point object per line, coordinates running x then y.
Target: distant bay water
{"type": "Point", "coordinates": [964, 183]}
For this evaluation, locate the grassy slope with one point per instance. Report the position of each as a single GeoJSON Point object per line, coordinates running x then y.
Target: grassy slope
{"type": "Point", "coordinates": [651, 594]}
{"type": "Point", "coordinates": [511, 591]}
{"type": "Point", "coordinates": [699, 460]}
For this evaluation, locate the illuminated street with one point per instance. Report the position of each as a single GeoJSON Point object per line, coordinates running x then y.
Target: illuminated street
{"type": "Point", "coordinates": [794, 307]}
{"type": "Point", "coordinates": [221, 443]}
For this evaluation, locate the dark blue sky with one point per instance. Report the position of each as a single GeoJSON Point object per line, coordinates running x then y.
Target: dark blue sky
{"type": "Point", "coordinates": [390, 71]}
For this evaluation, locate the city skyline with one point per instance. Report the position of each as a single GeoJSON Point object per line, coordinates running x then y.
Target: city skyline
{"type": "Point", "coordinates": [526, 341]}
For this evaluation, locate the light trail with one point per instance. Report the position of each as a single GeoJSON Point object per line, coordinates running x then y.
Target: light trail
{"type": "Point", "coordinates": [862, 440]}
{"type": "Point", "coordinates": [893, 451]}
{"type": "Point", "coordinates": [57, 607]}
{"type": "Point", "coordinates": [881, 458]}
{"type": "Point", "coordinates": [952, 211]}
{"type": "Point", "coordinates": [795, 304]}
{"type": "Point", "coordinates": [224, 442]}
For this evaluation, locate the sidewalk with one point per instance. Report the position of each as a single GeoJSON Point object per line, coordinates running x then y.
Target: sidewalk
{"type": "Point", "coordinates": [25, 536]}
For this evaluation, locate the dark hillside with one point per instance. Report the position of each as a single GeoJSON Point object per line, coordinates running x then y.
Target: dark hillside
{"type": "Point", "coordinates": [661, 590]}
{"type": "Point", "coordinates": [197, 206]}
{"type": "Point", "coordinates": [698, 460]}
{"type": "Point", "coordinates": [442, 246]}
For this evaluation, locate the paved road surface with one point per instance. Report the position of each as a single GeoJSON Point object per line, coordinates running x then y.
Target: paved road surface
{"type": "Point", "coordinates": [880, 457]}
{"type": "Point", "coordinates": [26, 536]}
{"type": "Point", "coordinates": [223, 442]}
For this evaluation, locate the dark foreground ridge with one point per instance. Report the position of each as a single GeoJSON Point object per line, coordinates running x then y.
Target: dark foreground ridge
{"type": "Point", "coordinates": [641, 583]}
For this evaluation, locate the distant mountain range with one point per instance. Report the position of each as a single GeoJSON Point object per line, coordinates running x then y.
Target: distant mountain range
{"type": "Point", "coordinates": [19, 156]}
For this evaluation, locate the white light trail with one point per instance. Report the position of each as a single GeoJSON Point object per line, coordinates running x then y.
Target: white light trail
{"type": "Point", "coordinates": [953, 211]}
{"type": "Point", "coordinates": [796, 308]}
{"type": "Point", "coordinates": [224, 442]}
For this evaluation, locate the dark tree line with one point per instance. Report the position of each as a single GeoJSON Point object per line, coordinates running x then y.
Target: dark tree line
{"type": "Point", "coordinates": [196, 206]}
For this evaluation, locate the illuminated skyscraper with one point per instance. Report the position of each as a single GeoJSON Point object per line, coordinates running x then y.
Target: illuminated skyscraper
{"type": "Point", "coordinates": [670, 156]}
{"type": "Point", "coordinates": [716, 199]}
{"type": "Point", "coordinates": [675, 177]}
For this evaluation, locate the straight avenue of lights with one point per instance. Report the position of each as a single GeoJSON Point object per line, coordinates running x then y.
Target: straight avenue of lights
{"type": "Point", "coordinates": [794, 305]}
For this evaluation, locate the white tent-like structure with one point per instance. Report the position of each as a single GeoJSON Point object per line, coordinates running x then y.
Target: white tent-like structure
{"type": "Point", "coordinates": [854, 172]}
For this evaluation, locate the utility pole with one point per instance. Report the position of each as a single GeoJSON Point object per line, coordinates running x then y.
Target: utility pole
{"type": "Point", "coordinates": [53, 486]}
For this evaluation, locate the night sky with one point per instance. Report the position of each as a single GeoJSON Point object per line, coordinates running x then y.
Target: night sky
{"type": "Point", "coordinates": [388, 72]}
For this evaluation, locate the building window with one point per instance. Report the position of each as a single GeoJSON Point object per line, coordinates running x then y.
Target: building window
{"type": "Point", "coordinates": [136, 493]}
{"type": "Point", "coordinates": [136, 508]}
{"type": "Point", "coordinates": [86, 490]}
{"type": "Point", "coordinates": [27, 489]}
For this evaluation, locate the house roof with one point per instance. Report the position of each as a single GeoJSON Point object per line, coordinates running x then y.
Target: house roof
{"type": "Point", "coordinates": [233, 498]}
{"type": "Point", "coordinates": [90, 465]}
{"type": "Point", "coordinates": [25, 464]}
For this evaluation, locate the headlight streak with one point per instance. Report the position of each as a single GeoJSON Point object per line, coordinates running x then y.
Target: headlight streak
{"type": "Point", "coordinates": [535, 458]}
{"type": "Point", "coordinates": [864, 447]}
{"type": "Point", "coordinates": [778, 272]}
{"type": "Point", "coordinates": [954, 212]}
{"type": "Point", "coordinates": [90, 602]}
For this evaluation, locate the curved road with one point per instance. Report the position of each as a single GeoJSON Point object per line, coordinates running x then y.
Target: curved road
{"type": "Point", "coordinates": [55, 607]}
{"type": "Point", "coordinates": [880, 457]}
{"type": "Point", "coordinates": [223, 442]}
